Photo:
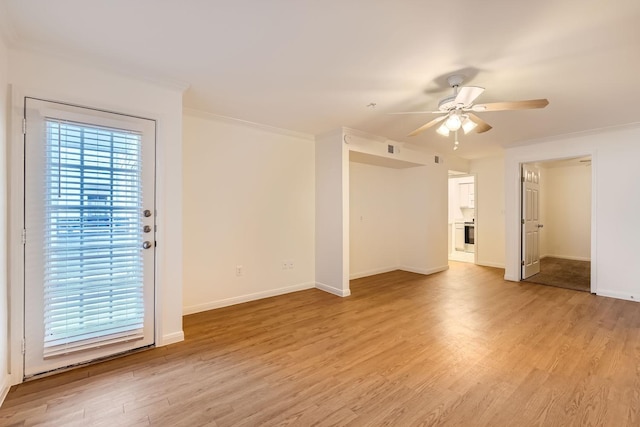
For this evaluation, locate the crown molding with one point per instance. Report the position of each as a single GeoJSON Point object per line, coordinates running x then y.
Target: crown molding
{"type": "Point", "coordinates": [568, 135]}
{"type": "Point", "coordinates": [363, 134]}
{"type": "Point", "coordinates": [232, 120]}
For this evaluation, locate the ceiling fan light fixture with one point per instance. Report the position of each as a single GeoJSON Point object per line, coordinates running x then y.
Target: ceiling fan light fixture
{"type": "Point", "coordinates": [468, 125]}
{"type": "Point", "coordinates": [457, 111]}
{"type": "Point", "coordinates": [443, 130]}
{"type": "Point", "coordinates": [453, 122]}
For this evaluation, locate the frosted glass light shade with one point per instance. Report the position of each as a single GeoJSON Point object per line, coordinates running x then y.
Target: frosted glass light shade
{"type": "Point", "coordinates": [453, 122]}
{"type": "Point", "coordinates": [443, 130]}
{"type": "Point", "coordinates": [468, 125]}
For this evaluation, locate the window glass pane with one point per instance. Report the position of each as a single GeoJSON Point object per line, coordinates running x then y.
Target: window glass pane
{"type": "Point", "coordinates": [93, 288]}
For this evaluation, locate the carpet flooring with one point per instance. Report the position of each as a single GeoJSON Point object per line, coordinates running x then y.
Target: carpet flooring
{"type": "Point", "coordinates": [563, 273]}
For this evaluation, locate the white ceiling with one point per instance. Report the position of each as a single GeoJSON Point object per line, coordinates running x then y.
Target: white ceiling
{"type": "Point", "coordinates": [313, 66]}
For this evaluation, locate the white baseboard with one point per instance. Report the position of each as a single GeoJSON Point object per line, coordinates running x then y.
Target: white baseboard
{"type": "Point", "coordinates": [373, 272]}
{"type": "Point", "coordinates": [569, 257]}
{"type": "Point", "coordinates": [490, 264]}
{"type": "Point", "coordinates": [399, 267]}
{"type": "Point", "coordinates": [332, 290]}
{"type": "Point", "coordinates": [618, 295]}
{"type": "Point", "coordinates": [424, 271]}
{"type": "Point", "coordinates": [4, 388]}
{"type": "Point", "coordinates": [511, 278]}
{"type": "Point", "coordinates": [172, 338]}
{"type": "Point", "coordinates": [244, 298]}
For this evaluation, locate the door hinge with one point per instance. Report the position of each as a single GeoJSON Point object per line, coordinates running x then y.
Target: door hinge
{"type": "Point", "coordinates": [522, 262]}
{"type": "Point", "coordinates": [24, 126]}
{"type": "Point", "coordinates": [522, 179]}
{"type": "Point", "coordinates": [522, 221]}
{"type": "Point", "coordinates": [24, 236]}
{"type": "Point", "coordinates": [24, 346]}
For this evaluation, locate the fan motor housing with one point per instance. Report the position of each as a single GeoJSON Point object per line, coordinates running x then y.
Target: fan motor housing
{"type": "Point", "coordinates": [447, 103]}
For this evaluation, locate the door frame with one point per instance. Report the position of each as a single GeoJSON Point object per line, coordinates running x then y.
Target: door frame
{"type": "Point", "coordinates": [15, 220]}
{"type": "Point", "coordinates": [475, 208]}
{"type": "Point", "coordinates": [37, 111]}
{"type": "Point", "coordinates": [513, 207]}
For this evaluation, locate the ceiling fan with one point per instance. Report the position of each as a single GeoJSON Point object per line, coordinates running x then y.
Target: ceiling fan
{"type": "Point", "coordinates": [457, 111]}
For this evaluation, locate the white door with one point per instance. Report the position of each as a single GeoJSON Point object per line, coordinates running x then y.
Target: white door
{"type": "Point", "coordinates": [530, 221]}
{"type": "Point", "coordinates": [89, 244]}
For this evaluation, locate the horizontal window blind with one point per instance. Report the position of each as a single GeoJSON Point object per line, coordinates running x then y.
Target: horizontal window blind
{"type": "Point", "coordinates": [93, 269]}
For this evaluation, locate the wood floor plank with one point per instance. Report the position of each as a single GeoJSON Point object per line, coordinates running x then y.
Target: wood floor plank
{"type": "Point", "coordinates": [460, 347]}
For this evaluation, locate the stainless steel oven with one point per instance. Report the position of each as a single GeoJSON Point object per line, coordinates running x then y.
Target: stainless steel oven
{"type": "Point", "coordinates": [469, 236]}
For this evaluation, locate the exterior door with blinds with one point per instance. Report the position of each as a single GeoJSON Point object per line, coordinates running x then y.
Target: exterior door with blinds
{"type": "Point", "coordinates": [89, 234]}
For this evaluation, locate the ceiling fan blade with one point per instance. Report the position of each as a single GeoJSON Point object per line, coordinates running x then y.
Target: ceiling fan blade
{"type": "Point", "coordinates": [428, 125]}
{"type": "Point", "coordinates": [418, 112]}
{"type": "Point", "coordinates": [481, 125]}
{"type": "Point", "coordinates": [468, 94]}
{"type": "Point", "coordinates": [512, 105]}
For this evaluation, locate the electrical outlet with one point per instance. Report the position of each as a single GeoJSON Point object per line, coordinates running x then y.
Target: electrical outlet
{"type": "Point", "coordinates": [239, 270]}
{"type": "Point", "coordinates": [287, 264]}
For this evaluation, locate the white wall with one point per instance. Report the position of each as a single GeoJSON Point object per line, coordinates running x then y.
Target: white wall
{"type": "Point", "coordinates": [423, 219]}
{"type": "Point", "coordinates": [375, 219]}
{"type": "Point", "coordinates": [490, 211]}
{"type": "Point", "coordinates": [566, 211]}
{"type": "Point", "coordinates": [422, 193]}
{"type": "Point", "coordinates": [332, 214]}
{"type": "Point", "coordinates": [37, 75]}
{"type": "Point", "coordinates": [398, 219]}
{"type": "Point", "coordinates": [4, 302]}
{"type": "Point", "coordinates": [249, 200]}
{"type": "Point", "coordinates": [614, 202]}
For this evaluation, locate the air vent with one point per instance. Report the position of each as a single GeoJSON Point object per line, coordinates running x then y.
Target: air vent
{"type": "Point", "coordinates": [436, 159]}
{"type": "Point", "coordinates": [390, 149]}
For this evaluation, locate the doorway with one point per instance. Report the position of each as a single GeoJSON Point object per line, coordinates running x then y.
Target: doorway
{"type": "Point", "coordinates": [563, 226]}
{"type": "Point", "coordinates": [89, 235]}
{"type": "Point", "coordinates": [462, 217]}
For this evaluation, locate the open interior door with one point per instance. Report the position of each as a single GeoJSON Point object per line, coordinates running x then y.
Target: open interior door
{"type": "Point", "coordinates": [530, 221]}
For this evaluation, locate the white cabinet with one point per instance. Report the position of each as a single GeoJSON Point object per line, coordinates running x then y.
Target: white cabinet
{"type": "Point", "coordinates": [459, 236]}
{"type": "Point", "coordinates": [467, 195]}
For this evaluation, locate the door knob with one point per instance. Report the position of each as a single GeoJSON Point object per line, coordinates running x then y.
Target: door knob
{"type": "Point", "coordinates": [540, 225]}
{"type": "Point", "coordinates": [146, 245]}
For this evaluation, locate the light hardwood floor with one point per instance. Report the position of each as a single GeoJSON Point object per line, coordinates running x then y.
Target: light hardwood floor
{"type": "Point", "coordinates": [461, 347]}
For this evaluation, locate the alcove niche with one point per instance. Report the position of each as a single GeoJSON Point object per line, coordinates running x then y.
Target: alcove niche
{"type": "Point", "coordinates": [381, 205]}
